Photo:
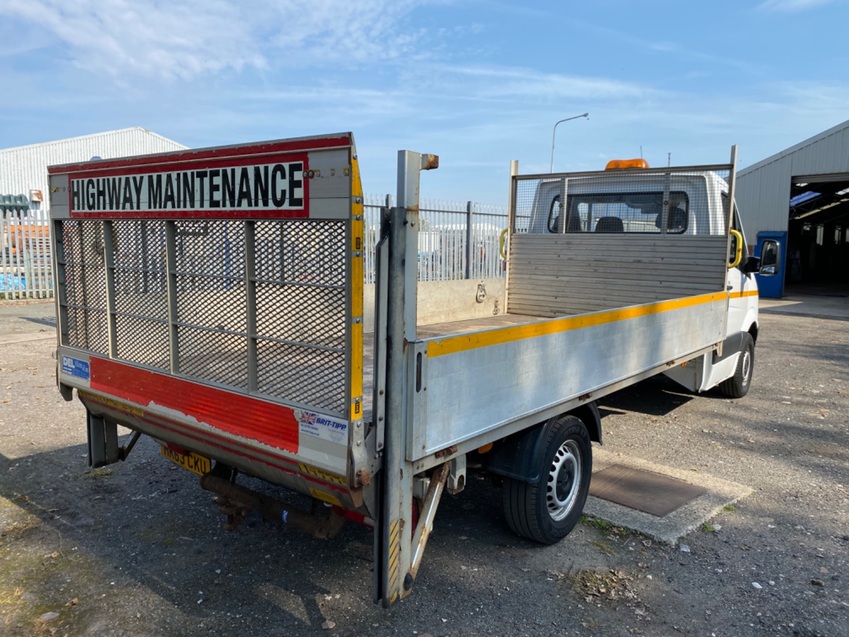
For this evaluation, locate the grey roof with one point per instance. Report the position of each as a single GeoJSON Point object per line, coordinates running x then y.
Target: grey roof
{"type": "Point", "coordinates": [766, 189]}
{"type": "Point", "coordinates": [828, 149]}
{"type": "Point", "coordinates": [24, 168]}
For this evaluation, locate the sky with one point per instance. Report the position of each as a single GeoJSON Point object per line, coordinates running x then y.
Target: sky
{"type": "Point", "coordinates": [477, 82]}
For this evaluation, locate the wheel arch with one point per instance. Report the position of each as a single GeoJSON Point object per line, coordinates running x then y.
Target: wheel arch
{"type": "Point", "coordinates": [520, 456]}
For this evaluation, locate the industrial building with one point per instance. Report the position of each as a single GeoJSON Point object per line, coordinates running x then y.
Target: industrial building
{"type": "Point", "coordinates": [25, 250]}
{"type": "Point", "coordinates": [23, 169]}
{"type": "Point", "coordinates": [800, 197]}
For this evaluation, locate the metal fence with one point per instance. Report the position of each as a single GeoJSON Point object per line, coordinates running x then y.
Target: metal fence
{"type": "Point", "coordinates": [457, 240]}
{"type": "Point", "coordinates": [25, 259]}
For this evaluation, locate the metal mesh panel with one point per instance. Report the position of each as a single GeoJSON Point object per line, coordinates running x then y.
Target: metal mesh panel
{"type": "Point", "coordinates": [85, 286]}
{"type": "Point", "coordinates": [211, 301]}
{"type": "Point", "coordinates": [300, 323]}
{"type": "Point", "coordinates": [312, 376]}
{"type": "Point", "coordinates": [301, 311]}
{"type": "Point", "coordinates": [141, 299]}
{"type": "Point", "coordinates": [213, 355]}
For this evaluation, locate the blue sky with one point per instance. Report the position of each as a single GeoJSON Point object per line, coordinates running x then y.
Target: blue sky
{"type": "Point", "coordinates": [477, 82]}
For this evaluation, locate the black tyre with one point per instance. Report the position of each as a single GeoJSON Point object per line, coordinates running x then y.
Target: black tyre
{"type": "Point", "coordinates": [738, 385]}
{"type": "Point", "coordinates": [547, 510]}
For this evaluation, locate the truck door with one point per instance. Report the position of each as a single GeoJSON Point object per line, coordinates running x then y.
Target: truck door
{"type": "Point", "coordinates": [772, 250]}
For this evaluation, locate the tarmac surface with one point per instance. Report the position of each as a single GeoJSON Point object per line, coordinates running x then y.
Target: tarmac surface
{"type": "Point", "coordinates": [34, 321]}
{"type": "Point", "coordinates": [137, 549]}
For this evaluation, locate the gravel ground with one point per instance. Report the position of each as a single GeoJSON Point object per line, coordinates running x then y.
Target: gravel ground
{"type": "Point", "coordinates": [137, 549]}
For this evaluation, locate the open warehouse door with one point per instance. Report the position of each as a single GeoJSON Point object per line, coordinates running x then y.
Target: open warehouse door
{"type": "Point", "coordinates": [817, 257]}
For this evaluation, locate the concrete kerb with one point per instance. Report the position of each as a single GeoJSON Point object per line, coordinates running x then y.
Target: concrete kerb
{"type": "Point", "coordinates": [672, 527]}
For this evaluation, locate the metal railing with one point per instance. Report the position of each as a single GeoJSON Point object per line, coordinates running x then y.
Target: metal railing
{"type": "Point", "coordinates": [457, 240]}
{"type": "Point", "coordinates": [25, 259]}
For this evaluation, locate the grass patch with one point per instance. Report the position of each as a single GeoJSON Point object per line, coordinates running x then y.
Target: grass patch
{"type": "Point", "coordinates": [598, 523]}
{"type": "Point", "coordinates": [707, 527]}
{"type": "Point", "coordinates": [729, 507]}
{"type": "Point", "coordinates": [102, 472]}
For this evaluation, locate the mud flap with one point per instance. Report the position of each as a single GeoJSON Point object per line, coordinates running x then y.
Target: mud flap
{"type": "Point", "coordinates": [102, 441]}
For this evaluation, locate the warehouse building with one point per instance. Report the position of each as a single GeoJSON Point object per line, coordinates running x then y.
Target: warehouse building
{"type": "Point", "coordinates": [800, 197]}
{"type": "Point", "coordinates": [25, 259]}
{"type": "Point", "coordinates": [23, 170]}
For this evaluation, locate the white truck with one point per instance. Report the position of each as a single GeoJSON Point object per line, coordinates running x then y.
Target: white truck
{"type": "Point", "coordinates": [214, 300]}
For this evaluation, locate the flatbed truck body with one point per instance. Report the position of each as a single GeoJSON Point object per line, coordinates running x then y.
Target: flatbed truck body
{"type": "Point", "coordinates": [214, 300]}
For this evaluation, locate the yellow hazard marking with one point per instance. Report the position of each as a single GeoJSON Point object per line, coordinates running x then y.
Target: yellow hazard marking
{"type": "Point", "coordinates": [324, 497]}
{"type": "Point", "coordinates": [394, 557]}
{"type": "Point", "coordinates": [322, 475]}
{"type": "Point", "coordinates": [114, 404]}
{"type": "Point", "coordinates": [475, 340]}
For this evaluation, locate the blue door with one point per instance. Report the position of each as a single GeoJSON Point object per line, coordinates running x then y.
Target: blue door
{"type": "Point", "coordinates": [772, 248]}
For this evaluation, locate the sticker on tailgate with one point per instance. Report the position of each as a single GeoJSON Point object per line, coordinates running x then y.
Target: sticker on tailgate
{"type": "Point", "coordinates": [76, 367]}
{"type": "Point", "coordinates": [323, 427]}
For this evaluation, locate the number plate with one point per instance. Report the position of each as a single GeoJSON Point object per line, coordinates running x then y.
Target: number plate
{"type": "Point", "coordinates": [193, 462]}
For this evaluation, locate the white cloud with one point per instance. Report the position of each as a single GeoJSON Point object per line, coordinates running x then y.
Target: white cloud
{"type": "Point", "coordinates": [507, 83]}
{"type": "Point", "coordinates": [186, 39]}
{"type": "Point", "coordinates": [324, 31]}
{"type": "Point", "coordinates": [162, 40]}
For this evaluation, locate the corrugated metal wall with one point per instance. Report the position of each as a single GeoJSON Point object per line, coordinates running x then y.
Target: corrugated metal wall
{"type": "Point", "coordinates": [24, 168]}
{"type": "Point", "coordinates": [763, 189]}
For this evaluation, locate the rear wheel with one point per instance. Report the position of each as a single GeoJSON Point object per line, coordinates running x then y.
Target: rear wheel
{"type": "Point", "coordinates": [738, 385]}
{"type": "Point", "coordinates": [547, 510]}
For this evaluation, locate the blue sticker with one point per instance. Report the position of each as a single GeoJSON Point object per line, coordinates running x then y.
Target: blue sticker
{"type": "Point", "coordinates": [76, 367]}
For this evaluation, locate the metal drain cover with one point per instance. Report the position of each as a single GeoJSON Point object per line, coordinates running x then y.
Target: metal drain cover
{"type": "Point", "coordinates": [642, 490]}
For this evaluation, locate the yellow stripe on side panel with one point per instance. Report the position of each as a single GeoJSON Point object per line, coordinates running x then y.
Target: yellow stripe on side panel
{"type": "Point", "coordinates": [357, 246]}
{"type": "Point", "coordinates": [743, 294]}
{"type": "Point", "coordinates": [474, 340]}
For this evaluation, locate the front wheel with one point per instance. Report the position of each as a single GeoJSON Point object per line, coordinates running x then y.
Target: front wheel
{"type": "Point", "coordinates": [738, 385]}
{"type": "Point", "coordinates": [547, 510]}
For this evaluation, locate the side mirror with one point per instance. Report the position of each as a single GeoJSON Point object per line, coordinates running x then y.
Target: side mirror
{"type": "Point", "coordinates": [753, 264]}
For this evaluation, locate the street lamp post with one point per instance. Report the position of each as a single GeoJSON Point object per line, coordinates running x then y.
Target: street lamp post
{"type": "Point", "coordinates": [554, 132]}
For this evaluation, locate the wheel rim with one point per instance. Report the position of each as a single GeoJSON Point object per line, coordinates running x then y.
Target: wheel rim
{"type": "Point", "coordinates": [746, 370]}
{"type": "Point", "coordinates": [564, 480]}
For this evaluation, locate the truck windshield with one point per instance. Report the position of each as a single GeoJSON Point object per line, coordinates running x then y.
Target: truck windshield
{"type": "Point", "coordinates": [619, 212]}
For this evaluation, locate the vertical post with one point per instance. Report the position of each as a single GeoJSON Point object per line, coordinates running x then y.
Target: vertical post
{"type": "Point", "coordinates": [511, 226]}
{"type": "Point", "coordinates": [732, 191]}
{"type": "Point", "coordinates": [393, 536]}
{"type": "Point", "coordinates": [469, 250]}
{"type": "Point", "coordinates": [250, 305]}
{"type": "Point", "coordinates": [732, 187]}
{"type": "Point", "coordinates": [109, 278]}
{"type": "Point", "coordinates": [171, 288]}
